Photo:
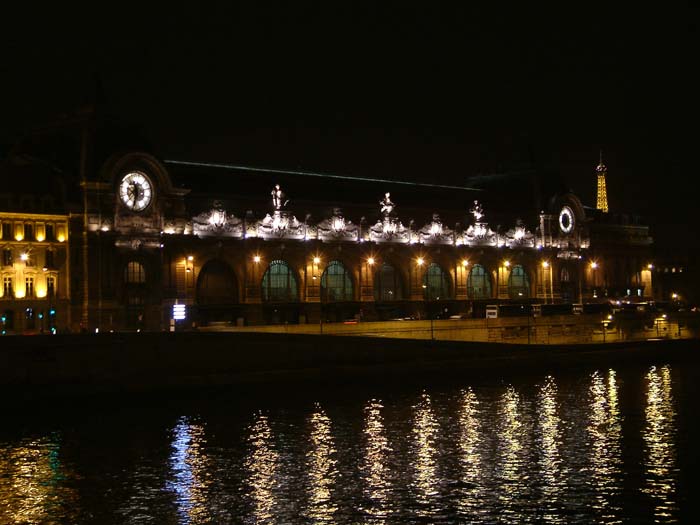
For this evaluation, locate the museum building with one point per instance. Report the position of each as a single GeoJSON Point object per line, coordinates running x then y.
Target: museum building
{"type": "Point", "coordinates": [140, 235]}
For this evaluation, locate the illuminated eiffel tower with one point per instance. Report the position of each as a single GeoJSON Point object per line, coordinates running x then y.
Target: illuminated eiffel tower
{"type": "Point", "coordinates": [602, 200]}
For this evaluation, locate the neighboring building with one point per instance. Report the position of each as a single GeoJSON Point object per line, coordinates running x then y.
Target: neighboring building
{"type": "Point", "coordinates": [35, 250]}
{"type": "Point", "coordinates": [230, 245]}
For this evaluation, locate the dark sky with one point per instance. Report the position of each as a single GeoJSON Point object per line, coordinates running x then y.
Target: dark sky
{"type": "Point", "coordinates": [424, 93]}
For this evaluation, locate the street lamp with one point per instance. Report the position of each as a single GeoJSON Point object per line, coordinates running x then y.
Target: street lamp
{"type": "Point", "coordinates": [545, 266]}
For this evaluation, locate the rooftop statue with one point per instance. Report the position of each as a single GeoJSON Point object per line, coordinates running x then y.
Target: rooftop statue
{"type": "Point", "coordinates": [477, 211]}
{"type": "Point", "coordinates": [387, 207]}
{"type": "Point", "coordinates": [278, 198]}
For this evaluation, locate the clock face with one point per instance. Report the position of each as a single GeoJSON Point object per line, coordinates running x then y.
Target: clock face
{"type": "Point", "coordinates": [566, 219]}
{"type": "Point", "coordinates": [135, 191]}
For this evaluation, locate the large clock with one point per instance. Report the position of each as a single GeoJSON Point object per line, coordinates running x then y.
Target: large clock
{"type": "Point", "coordinates": [135, 191]}
{"type": "Point", "coordinates": [566, 219]}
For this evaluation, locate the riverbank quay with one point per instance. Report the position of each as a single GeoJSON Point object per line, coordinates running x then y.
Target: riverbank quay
{"type": "Point", "coordinates": [135, 362]}
{"type": "Point", "coordinates": [549, 330]}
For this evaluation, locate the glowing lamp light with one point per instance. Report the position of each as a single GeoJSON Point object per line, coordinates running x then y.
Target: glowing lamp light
{"type": "Point", "coordinates": [19, 237]}
{"type": "Point", "coordinates": [317, 260]}
{"type": "Point", "coordinates": [465, 263]}
{"type": "Point", "coordinates": [256, 258]}
{"type": "Point", "coordinates": [650, 266]}
{"type": "Point", "coordinates": [190, 258]}
{"type": "Point", "coordinates": [674, 296]}
{"type": "Point", "coordinates": [105, 228]}
{"type": "Point", "coordinates": [370, 261]}
{"type": "Point", "coordinates": [420, 261]}
{"type": "Point", "coordinates": [545, 264]}
{"type": "Point", "coordinates": [24, 256]}
{"type": "Point", "coordinates": [594, 265]}
{"type": "Point", "coordinates": [40, 237]}
{"type": "Point", "coordinates": [61, 237]}
{"type": "Point", "coordinates": [41, 292]}
{"type": "Point", "coordinates": [506, 264]}
{"type": "Point", "coordinates": [19, 294]}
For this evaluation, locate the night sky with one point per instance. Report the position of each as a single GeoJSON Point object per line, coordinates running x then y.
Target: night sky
{"type": "Point", "coordinates": [419, 93]}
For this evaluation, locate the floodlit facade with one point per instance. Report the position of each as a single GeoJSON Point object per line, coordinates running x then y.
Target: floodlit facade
{"type": "Point", "coordinates": [35, 272]}
{"type": "Point", "coordinates": [156, 244]}
{"type": "Point", "coordinates": [139, 237]}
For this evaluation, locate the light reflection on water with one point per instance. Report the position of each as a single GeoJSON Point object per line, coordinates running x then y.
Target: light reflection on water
{"type": "Point", "coordinates": [424, 457]}
{"type": "Point", "coordinates": [320, 468]}
{"type": "Point", "coordinates": [261, 466]}
{"type": "Point", "coordinates": [470, 457]}
{"type": "Point", "coordinates": [32, 482]}
{"type": "Point", "coordinates": [604, 442]}
{"type": "Point", "coordinates": [190, 476]}
{"type": "Point", "coordinates": [659, 436]}
{"type": "Point", "coordinates": [550, 461]}
{"type": "Point", "coordinates": [548, 450]}
{"type": "Point", "coordinates": [375, 471]}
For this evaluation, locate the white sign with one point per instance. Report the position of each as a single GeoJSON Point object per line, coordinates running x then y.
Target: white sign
{"type": "Point", "coordinates": [179, 312]}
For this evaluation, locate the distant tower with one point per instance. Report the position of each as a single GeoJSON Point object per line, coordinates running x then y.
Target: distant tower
{"type": "Point", "coordinates": [602, 200]}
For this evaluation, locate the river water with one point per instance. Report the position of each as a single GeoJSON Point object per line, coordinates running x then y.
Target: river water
{"type": "Point", "coordinates": [592, 446]}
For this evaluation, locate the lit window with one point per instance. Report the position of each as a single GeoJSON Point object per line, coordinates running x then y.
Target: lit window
{"type": "Point", "coordinates": [279, 283]}
{"type": "Point", "coordinates": [387, 284]}
{"type": "Point", "coordinates": [518, 283]}
{"type": "Point", "coordinates": [134, 273]}
{"type": "Point", "coordinates": [436, 283]}
{"type": "Point", "coordinates": [29, 287]}
{"type": "Point", "coordinates": [7, 286]}
{"type": "Point", "coordinates": [478, 283]}
{"type": "Point", "coordinates": [336, 284]}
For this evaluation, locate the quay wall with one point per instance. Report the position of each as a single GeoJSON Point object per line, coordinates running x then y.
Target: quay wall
{"type": "Point", "coordinates": [84, 363]}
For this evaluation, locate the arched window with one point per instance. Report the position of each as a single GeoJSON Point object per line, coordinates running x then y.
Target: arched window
{"type": "Point", "coordinates": [336, 284]}
{"type": "Point", "coordinates": [478, 283]}
{"type": "Point", "coordinates": [387, 284]}
{"type": "Point", "coordinates": [216, 284]}
{"type": "Point", "coordinates": [279, 283]}
{"type": "Point", "coordinates": [436, 282]}
{"type": "Point", "coordinates": [134, 273]}
{"type": "Point", "coordinates": [518, 283]}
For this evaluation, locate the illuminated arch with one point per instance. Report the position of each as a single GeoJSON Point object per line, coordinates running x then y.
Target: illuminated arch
{"type": "Point", "coordinates": [478, 283]}
{"type": "Point", "coordinates": [336, 283]}
{"type": "Point", "coordinates": [436, 282]}
{"type": "Point", "coordinates": [518, 283]}
{"type": "Point", "coordinates": [279, 284]}
{"type": "Point", "coordinates": [387, 284]}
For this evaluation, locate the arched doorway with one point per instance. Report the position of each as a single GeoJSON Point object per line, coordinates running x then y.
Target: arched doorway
{"type": "Point", "coordinates": [436, 283]}
{"type": "Point", "coordinates": [387, 284]}
{"type": "Point", "coordinates": [336, 288]}
{"type": "Point", "coordinates": [336, 284]}
{"type": "Point", "coordinates": [280, 290]}
{"type": "Point", "coordinates": [217, 293]}
{"type": "Point", "coordinates": [518, 283]}
{"type": "Point", "coordinates": [389, 293]}
{"type": "Point", "coordinates": [478, 283]}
